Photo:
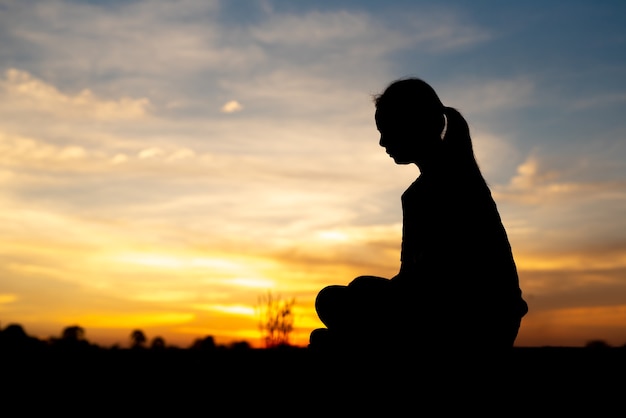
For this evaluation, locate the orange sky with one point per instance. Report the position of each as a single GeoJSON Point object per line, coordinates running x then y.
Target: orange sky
{"type": "Point", "coordinates": [163, 166]}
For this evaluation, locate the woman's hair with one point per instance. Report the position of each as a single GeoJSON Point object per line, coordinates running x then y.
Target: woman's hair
{"type": "Point", "coordinates": [415, 98]}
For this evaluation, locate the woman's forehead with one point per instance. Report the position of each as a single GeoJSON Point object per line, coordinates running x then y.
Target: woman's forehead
{"type": "Point", "coordinates": [381, 117]}
{"type": "Point", "coordinates": [385, 115]}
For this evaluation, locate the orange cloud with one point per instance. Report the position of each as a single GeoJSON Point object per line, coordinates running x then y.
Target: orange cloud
{"type": "Point", "coordinates": [232, 107]}
{"type": "Point", "coordinates": [574, 326]}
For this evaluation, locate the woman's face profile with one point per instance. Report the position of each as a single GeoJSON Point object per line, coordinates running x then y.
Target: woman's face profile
{"type": "Point", "coordinates": [398, 135]}
{"type": "Point", "coordinates": [404, 136]}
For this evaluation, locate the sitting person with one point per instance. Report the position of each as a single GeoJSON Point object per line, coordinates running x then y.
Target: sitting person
{"type": "Point", "coordinates": [457, 286]}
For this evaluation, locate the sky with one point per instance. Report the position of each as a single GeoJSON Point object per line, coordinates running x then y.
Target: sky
{"type": "Point", "coordinates": [165, 164]}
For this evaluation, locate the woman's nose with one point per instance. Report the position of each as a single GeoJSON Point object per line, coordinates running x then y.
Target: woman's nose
{"type": "Point", "coordinates": [381, 142]}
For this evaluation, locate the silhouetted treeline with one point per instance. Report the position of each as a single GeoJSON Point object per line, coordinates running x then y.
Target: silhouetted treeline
{"type": "Point", "coordinates": [72, 338]}
{"type": "Point", "coordinates": [148, 375]}
{"type": "Point", "coordinates": [14, 338]}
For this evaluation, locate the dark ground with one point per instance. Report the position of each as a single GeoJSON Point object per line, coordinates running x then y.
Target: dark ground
{"type": "Point", "coordinates": [547, 381]}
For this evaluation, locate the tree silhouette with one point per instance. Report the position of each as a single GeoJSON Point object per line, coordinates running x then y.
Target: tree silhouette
{"type": "Point", "coordinates": [204, 344]}
{"type": "Point", "coordinates": [276, 319]}
{"type": "Point", "coordinates": [72, 339]}
{"type": "Point", "coordinates": [597, 344]}
{"type": "Point", "coordinates": [158, 343]}
{"type": "Point", "coordinates": [73, 334]}
{"type": "Point", "coordinates": [14, 332]}
{"type": "Point", "coordinates": [13, 337]}
{"type": "Point", "coordinates": [138, 339]}
{"type": "Point", "coordinates": [240, 346]}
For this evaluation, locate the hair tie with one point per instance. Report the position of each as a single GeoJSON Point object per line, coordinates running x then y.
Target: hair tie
{"type": "Point", "coordinates": [445, 125]}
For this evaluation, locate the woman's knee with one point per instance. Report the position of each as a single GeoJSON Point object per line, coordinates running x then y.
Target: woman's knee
{"type": "Point", "coordinates": [367, 282]}
{"type": "Point", "coordinates": [330, 295]}
{"type": "Point", "coordinates": [330, 301]}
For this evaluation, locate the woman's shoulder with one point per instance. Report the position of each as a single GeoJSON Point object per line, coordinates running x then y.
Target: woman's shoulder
{"type": "Point", "coordinates": [414, 190]}
{"type": "Point", "coordinates": [428, 185]}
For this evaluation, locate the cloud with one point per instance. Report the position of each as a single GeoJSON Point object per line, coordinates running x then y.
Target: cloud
{"type": "Point", "coordinates": [444, 30]}
{"type": "Point", "coordinates": [123, 178]}
{"type": "Point", "coordinates": [550, 209]}
{"type": "Point", "coordinates": [36, 158]}
{"type": "Point", "coordinates": [571, 327]}
{"type": "Point", "coordinates": [232, 106]}
{"type": "Point", "coordinates": [20, 89]}
{"type": "Point", "coordinates": [194, 55]}
{"type": "Point", "coordinates": [6, 298]}
{"type": "Point", "coordinates": [29, 158]}
{"type": "Point", "coordinates": [530, 176]}
{"type": "Point", "coordinates": [119, 158]}
{"type": "Point", "coordinates": [480, 97]}
{"type": "Point", "coordinates": [434, 30]}
{"type": "Point", "coordinates": [150, 37]}
{"type": "Point", "coordinates": [602, 100]}
{"type": "Point", "coordinates": [150, 153]}
{"type": "Point", "coordinates": [181, 154]}
{"type": "Point", "coordinates": [244, 310]}
{"type": "Point", "coordinates": [311, 29]}
{"type": "Point", "coordinates": [538, 181]}
{"type": "Point", "coordinates": [129, 320]}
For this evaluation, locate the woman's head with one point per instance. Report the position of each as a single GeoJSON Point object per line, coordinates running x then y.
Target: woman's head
{"type": "Point", "coordinates": [414, 97]}
{"type": "Point", "coordinates": [411, 119]}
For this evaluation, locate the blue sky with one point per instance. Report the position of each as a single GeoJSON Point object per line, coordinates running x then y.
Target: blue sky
{"type": "Point", "coordinates": [166, 162]}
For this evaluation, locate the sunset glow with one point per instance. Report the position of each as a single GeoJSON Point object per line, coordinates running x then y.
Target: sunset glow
{"type": "Point", "coordinates": [165, 164]}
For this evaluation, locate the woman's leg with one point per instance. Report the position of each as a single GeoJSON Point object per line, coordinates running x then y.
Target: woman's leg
{"type": "Point", "coordinates": [345, 307]}
{"type": "Point", "coordinates": [369, 282]}
{"type": "Point", "coordinates": [333, 306]}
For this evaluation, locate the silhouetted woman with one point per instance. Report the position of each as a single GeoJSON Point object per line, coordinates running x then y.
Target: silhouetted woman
{"type": "Point", "coordinates": [457, 286]}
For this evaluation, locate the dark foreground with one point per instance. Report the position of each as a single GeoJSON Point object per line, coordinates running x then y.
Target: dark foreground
{"type": "Point", "coordinates": [297, 382]}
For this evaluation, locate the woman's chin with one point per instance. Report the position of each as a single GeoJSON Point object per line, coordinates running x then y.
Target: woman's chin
{"type": "Point", "coordinates": [400, 161]}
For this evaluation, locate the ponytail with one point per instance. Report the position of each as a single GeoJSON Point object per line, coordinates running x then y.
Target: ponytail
{"type": "Point", "coordinates": [459, 142]}
{"type": "Point", "coordinates": [457, 132]}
